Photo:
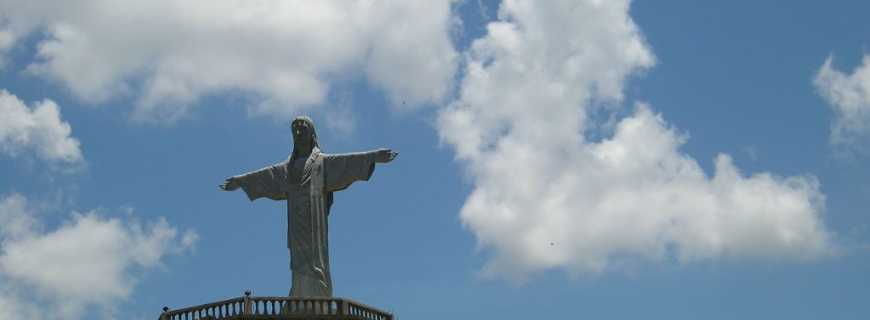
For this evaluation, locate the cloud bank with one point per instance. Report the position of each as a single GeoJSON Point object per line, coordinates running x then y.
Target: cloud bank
{"type": "Point", "coordinates": [38, 129]}
{"type": "Point", "coordinates": [89, 261]}
{"type": "Point", "coordinates": [546, 196]}
{"type": "Point", "coordinates": [284, 54]}
{"type": "Point", "coordinates": [849, 98]}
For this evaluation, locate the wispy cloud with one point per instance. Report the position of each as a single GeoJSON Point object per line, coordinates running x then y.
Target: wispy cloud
{"type": "Point", "coordinates": [849, 98]}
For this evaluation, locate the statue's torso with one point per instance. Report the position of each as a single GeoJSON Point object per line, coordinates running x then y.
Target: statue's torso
{"type": "Point", "coordinates": [307, 226]}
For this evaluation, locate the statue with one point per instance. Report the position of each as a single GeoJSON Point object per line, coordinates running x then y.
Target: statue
{"type": "Point", "coordinates": [307, 181]}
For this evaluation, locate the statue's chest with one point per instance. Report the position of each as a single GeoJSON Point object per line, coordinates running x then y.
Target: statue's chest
{"type": "Point", "coordinates": [296, 176]}
{"type": "Point", "coordinates": [302, 174]}
{"type": "Point", "coordinates": [299, 196]}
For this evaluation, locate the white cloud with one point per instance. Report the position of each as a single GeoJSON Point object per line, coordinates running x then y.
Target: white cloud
{"type": "Point", "coordinates": [16, 220]}
{"type": "Point", "coordinates": [38, 129]}
{"type": "Point", "coordinates": [90, 260]}
{"type": "Point", "coordinates": [849, 97]}
{"type": "Point", "coordinates": [6, 41]}
{"type": "Point", "coordinates": [13, 307]}
{"type": "Point", "coordinates": [545, 196]}
{"type": "Point", "coordinates": [169, 53]}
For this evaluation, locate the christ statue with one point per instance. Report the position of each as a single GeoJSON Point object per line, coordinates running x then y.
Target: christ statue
{"type": "Point", "coordinates": [307, 181]}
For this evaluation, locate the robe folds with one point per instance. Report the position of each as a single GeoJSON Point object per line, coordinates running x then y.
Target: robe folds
{"type": "Point", "coordinates": [308, 190]}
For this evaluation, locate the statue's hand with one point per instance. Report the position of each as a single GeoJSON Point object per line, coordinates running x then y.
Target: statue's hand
{"type": "Point", "coordinates": [230, 184]}
{"type": "Point", "coordinates": [385, 155]}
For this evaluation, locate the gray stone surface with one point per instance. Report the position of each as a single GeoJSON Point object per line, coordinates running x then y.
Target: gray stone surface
{"type": "Point", "coordinates": [307, 181]}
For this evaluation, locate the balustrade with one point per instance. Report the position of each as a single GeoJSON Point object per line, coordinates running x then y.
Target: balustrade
{"type": "Point", "coordinates": [248, 307]}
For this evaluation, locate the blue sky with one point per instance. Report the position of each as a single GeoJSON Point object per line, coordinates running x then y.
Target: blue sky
{"type": "Point", "coordinates": [568, 159]}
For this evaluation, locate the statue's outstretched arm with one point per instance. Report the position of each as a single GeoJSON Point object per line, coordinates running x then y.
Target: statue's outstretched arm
{"type": "Point", "coordinates": [269, 182]}
{"type": "Point", "coordinates": [342, 170]}
{"type": "Point", "coordinates": [385, 155]}
{"type": "Point", "coordinates": [230, 184]}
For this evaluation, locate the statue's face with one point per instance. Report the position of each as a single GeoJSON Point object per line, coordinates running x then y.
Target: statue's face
{"type": "Point", "coordinates": [301, 134]}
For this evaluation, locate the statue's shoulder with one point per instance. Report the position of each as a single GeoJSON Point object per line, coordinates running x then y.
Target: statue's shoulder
{"type": "Point", "coordinates": [317, 154]}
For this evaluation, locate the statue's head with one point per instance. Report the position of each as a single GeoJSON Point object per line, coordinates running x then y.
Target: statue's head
{"type": "Point", "coordinates": [304, 135]}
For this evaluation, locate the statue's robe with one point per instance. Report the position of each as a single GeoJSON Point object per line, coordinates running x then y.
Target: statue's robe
{"type": "Point", "coordinates": [308, 190]}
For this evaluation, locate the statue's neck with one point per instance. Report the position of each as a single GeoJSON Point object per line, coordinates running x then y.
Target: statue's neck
{"type": "Point", "coordinates": [304, 152]}
{"type": "Point", "coordinates": [303, 155]}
